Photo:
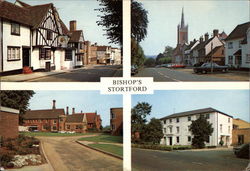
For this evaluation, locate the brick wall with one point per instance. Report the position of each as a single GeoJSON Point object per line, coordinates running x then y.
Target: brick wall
{"type": "Point", "coordinates": [77, 127]}
{"type": "Point", "coordinates": [244, 131]}
{"type": "Point", "coordinates": [116, 120]}
{"type": "Point", "coordinates": [43, 125]}
{"type": "Point", "coordinates": [9, 124]}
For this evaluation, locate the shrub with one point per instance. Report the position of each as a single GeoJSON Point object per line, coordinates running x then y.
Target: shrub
{"type": "Point", "coordinates": [5, 159]}
{"type": "Point", "coordinates": [211, 146]}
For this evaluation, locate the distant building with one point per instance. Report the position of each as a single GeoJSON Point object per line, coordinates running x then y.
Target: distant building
{"type": "Point", "coordinates": [94, 121]}
{"type": "Point", "coordinates": [176, 127]}
{"type": "Point", "coordinates": [116, 121]}
{"type": "Point", "coordinates": [241, 132]}
{"type": "Point", "coordinates": [237, 47]}
{"type": "Point", "coordinates": [9, 119]}
{"type": "Point", "coordinates": [188, 54]}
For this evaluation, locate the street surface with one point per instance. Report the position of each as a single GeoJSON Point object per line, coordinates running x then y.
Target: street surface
{"type": "Point", "coordinates": [219, 160]}
{"type": "Point", "coordinates": [64, 154]}
{"type": "Point", "coordinates": [173, 75]}
{"type": "Point", "coordinates": [92, 74]}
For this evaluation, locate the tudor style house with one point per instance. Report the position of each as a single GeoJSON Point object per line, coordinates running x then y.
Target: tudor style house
{"type": "Point", "coordinates": [176, 127]}
{"type": "Point", "coordinates": [116, 121]}
{"type": "Point", "coordinates": [237, 47]}
{"type": "Point", "coordinates": [56, 120]}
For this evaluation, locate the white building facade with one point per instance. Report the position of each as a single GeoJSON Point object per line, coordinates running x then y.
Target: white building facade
{"type": "Point", "coordinates": [176, 127]}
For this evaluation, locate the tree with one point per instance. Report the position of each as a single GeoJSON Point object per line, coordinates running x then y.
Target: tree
{"type": "Point", "coordinates": [201, 129]}
{"type": "Point", "coordinates": [153, 132]}
{"type": "Point", "coordinates": [137, 53]}
{"type": "Point", "coordinates": [16, 99]}
{"type": "Point", "coordinates": [138, 117]}
{"type": "Point", "coordinates": [149, 62]}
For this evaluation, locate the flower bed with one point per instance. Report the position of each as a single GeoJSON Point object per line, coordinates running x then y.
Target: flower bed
{"type": "Point", "coordinates": [161, 147]}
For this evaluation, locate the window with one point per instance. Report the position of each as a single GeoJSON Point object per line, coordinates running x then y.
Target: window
{"type": "Point", "coordinates": [229, 129]}
{"type": "Point", "coordinates": [49, 35]}
{"type": "Point", "coordinates": [177, 119]}
{"type": "Point", "coordinates": [230, 59]}
{"type": "Point", "coordinates": [228, 120]}
{"type": "Point", "coordinates": [112, 116]}
{"type": "Point", "coordinates": [220, 128]}
{"type": "Point", "coordinates": [240, 44]}
{"type": "Point", "coordinates": [170, 120]}
{"type": "Point", "coordinates": [247, 58]}
{"type": "Point", "coordinates": [68, 55]}
{"type": "Point", "coordinates": [170, 130]}
{"type": "Point", "coordinates": [45, 54]}
{"type": "Point", "coordinates": [207, 116]}
{"type": "Point", "coordinates": [15, 29]}
{"type": "Point", "coordinates": [177, 139]}
{"type": "Point", "coordinates": [61, 119]}
{"type": "Point", "coordinates": [164, 121]}
{"type": "Point", "coordinates": [113, 127]}
{"type": "Point", "coordinates": [177, 129]}
{"type": "Point", "coordinates": [54, 121]}
{"type": "Point", "coordinates": [13, 54]}
{"type": "Point", "coordinates": [189, 138]}
{"type": "Point", "coordinates": [164, 131]}
{"type": "Point", "coordinates": [79, 58]}
{"type": "Point", "coordinates": [230, 45]}
{"type": "Point", "coordinates": [189, 128]}
{"type": "Point", "coordinates": [54, 127]}
{"type": "Point", "coordinates": [68, 126]}
{"type": "Point", "coordinates": [189, 118]}
{"type": "Point", "coordinates": [222, 52]}
{"type": "Point", "coordinates": [77, 127]}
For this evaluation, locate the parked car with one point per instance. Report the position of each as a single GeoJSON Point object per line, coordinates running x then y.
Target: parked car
{"type": "Point", "coordinates": [206, 67]}
{"type": "Point", "coordinates": [242, 151]}
{"type": "Point", "coordinates": [198, 64]}
{"type": "Point", "coordinates": [134, 69]}
{"type": "Point", "coordinates": [164, 65]}
{"type": "Point", "coordinates": [178, 66]}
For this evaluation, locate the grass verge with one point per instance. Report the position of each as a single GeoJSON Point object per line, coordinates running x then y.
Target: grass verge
{"type": "Point", "coordinates": [114, 149]}
{"type": "Point", "coordinates": [33, 134]}
{"type": "Point", "coordinates": [103, 138]}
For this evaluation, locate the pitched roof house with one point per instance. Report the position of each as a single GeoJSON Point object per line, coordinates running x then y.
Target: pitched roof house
{"type": "Point", "coordinates": [94, 121]}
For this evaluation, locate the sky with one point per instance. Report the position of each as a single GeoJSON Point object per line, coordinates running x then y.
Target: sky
{"type": "Point", "coordinates": [233, 102]}
{"type": "Point", "coordinates": [85, 101]}
{"type": "Point", "coordinates": [201, 17]}
{"type": "Point", "coordinates": [83, 12]}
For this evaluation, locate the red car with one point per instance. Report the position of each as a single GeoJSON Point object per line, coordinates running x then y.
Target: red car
{"type": "Point", "coordinates": [178, 66]}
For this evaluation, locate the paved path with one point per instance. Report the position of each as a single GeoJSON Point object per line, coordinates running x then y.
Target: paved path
{"type": "Point", "coordinates": [214, 160]}
{"type": "Point", "coordinates": [65, 154]}
{"type": "Point", "coordinates": [173, 75]}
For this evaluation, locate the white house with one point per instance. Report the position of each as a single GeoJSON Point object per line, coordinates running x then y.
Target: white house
{"type": "Point", "coordinates": [234, 47]}
{"type": "Point", "coordinates": [246, 50]}
{"type": "Point", "coordinates": [176, 127]}
{"type": "Point", "coordinates": [104, 54]}
{"type": "Point", "coordinates": [188, 60]}
{"type": "Point", "coordinates": [116, 56]}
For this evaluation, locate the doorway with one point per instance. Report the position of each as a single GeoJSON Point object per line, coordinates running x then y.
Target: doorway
{"type": "Point", "coordinates": [26, 57]}
{"type": "Point", "coordinates": [170, 140]}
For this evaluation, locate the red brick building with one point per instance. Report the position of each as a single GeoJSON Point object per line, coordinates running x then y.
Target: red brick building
{"type": "Point", "coordinates": [116, 121]}
{"type": "Point", "coordinates": [9, 121]}
{"type": "Point", "coordinates": [94, 121]}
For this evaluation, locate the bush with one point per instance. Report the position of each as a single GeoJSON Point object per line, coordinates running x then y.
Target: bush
{"type": "Point", "coordinates": [162, 147]}
{"type": "Point", "coordinates": [211, 146]}
{"type": "Point", "coordinates": [5, 159]}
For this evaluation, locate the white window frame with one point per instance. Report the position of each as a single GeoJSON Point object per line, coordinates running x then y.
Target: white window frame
{"type": "Point", "coordinates": [13, 53]}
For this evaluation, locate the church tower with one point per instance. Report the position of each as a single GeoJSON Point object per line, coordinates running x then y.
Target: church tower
{"type": "Point", "coordinates": [182, 31]}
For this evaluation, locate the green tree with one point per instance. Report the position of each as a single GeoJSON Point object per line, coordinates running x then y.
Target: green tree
{"type": "Point", "coordinates": [168, 52]}
{"type": "Point", "coordinates": [138, 117]}
{"type": "Point", "coordinates": [16, 99]}
{"type": "Point", "coordinates": [149, 62]}
{"type": "Point", "coordinates": [165, 60]}
{"type": "Point", "coordinates": [201, 129]}
{"type": "Point", "coordinates": [152, 132]}
{"type": "Point", "coordinates": [137, 54]}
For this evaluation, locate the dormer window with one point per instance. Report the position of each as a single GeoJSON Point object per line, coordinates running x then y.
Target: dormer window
{"type": "Point", "coordinates": [15, 29]}
{"type": "Point", "coordinates": [49, 35]}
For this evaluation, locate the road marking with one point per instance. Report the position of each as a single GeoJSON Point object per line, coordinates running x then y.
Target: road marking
{"type": "Point", "coordinates": [167, 76]}
{"type": "Point", "coordinates": [197, 163]}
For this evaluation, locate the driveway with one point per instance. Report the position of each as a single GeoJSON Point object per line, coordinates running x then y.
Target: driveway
{"type": "Point", "coordinates": [64, 154]}
{"type": "Point", "coordinates": [216, 160]}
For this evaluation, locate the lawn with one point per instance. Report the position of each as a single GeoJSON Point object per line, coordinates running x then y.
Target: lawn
{"type": "Point", "coordinates": [103, 138]}
{"type": "Point", "coordinates": [52, 134]}
{"type": "Point", "coordinates": [114, 149]}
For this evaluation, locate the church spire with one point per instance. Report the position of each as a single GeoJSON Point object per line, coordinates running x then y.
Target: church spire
{"type": "Point", "coordinates": [182, 19]}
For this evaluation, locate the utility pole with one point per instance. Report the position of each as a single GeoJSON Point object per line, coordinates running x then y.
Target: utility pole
{"type": "Point", "coordinates": [212, 67]}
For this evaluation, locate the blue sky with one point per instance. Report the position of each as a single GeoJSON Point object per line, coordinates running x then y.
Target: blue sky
{"type": "Point", "coordinates": [87, 101]}
{"type": "Point", "coordinates": [233, 102]}
{"type": "Point", "coordinates": [83, 12]}
{"type": "Point", "coordinates": [201, 17]}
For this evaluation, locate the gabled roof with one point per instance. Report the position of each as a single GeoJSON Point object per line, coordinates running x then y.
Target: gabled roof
{"type": "Point", "coordinates": [75, 36]}
{"type": "Point", "coordinates": [44, 114]}
{"type": "Point", "coordinates": [23, 4]}
{"type": "Point", "coordinates": [75, 118]}
{"type": "Point", "coordinates": [193, 112]}
{"type": "Point", "coordinates": [91, 117]}
{"type": "Point", "coordinates": [192, 43]}
{"type": "Point", "coordinates": [238, 32]}
{"type": "Point", "coordinates": [214, 50]}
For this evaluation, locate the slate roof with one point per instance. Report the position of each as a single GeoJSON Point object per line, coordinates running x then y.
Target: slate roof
{"type": "Point", "coordinates": [75, 118]}
{"type": "Point", "coordinates": [238, 32]}
{"type": "Point", "coordinates": [202, 45]}
{"type": "Point", "coordinates": [75, 36]}
{"type": "Point", "coordinates": [193, 112]}
{"type": "Point", "coordinates": [44, 114]}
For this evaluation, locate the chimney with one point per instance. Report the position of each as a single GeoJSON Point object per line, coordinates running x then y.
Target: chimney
{"type": "Point", "coordinates": [81, 111]}
{"type": "Point", "coordinates": [67, 110]}
{"type": "Point", "coordinates": [73, 110]}
{"type": "Point", "coordinates": [201, 39]}
{"type": "Point", "coordinates": [215, 32]}
{"type": "Point", "coordinates": [72, 25]}
{"type": "Point", "coordinates": [206, 37]}
{"type": "Point", "coordinates": [54, 104]}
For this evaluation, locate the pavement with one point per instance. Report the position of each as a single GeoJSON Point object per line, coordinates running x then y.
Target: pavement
{"type": "Point", "coordinates": [64, 154]}
{"type": "Point", "coordinates": [187, 74]}
{"type": "Point", "coordinates": [219, 160]}
{"type": "Point", "coordinates": [91, 73]}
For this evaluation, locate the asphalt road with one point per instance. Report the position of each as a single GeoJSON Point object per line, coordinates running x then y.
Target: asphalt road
{"type": "Point", "coordinates": [173, 75]}
{"type": "Point", "coordinates": [64, 154]}
{"type": "Point", "coordinates": [84, 75]}
{"type": "Point", "coordinates": [214, 160]}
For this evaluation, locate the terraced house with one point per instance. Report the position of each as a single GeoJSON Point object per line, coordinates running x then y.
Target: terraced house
{"type": "Point", "coordinates": [35, 38]}
{"type": "Point", "coordinates": [176, 127]}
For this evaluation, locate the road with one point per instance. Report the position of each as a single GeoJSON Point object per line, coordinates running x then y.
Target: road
{"type": "Point", "coordinates": [65, 154]}
{"type": "Point", "coordinates": [179, 75]}
{"type": "Point", "coordinates": [92, 74]}
{"type": "Point", "coordinates": [219, 160]}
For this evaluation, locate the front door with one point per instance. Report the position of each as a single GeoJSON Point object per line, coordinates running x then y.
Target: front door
{"type": "Point", "coordinates": [26, 57]}
{"type": "Point", "coordinates": [170, 140]}
{"type": "Point", "coordinates": [240, 139]}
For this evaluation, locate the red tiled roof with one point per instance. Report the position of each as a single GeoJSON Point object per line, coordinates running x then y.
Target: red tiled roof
{"type": "Point", "coordinates": [75, 118]}
{"type": "Point", "coordinates": [43, 114]}
{"type": "Point", "coordinates": [91, 117]}
{"type": "Point", "coordinates": [239, 31]}
{"type": "Point", "coordinates": [75, 36]}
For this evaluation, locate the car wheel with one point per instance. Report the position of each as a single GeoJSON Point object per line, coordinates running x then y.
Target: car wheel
{"type": "Point", "coordinates": [204, 72]}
